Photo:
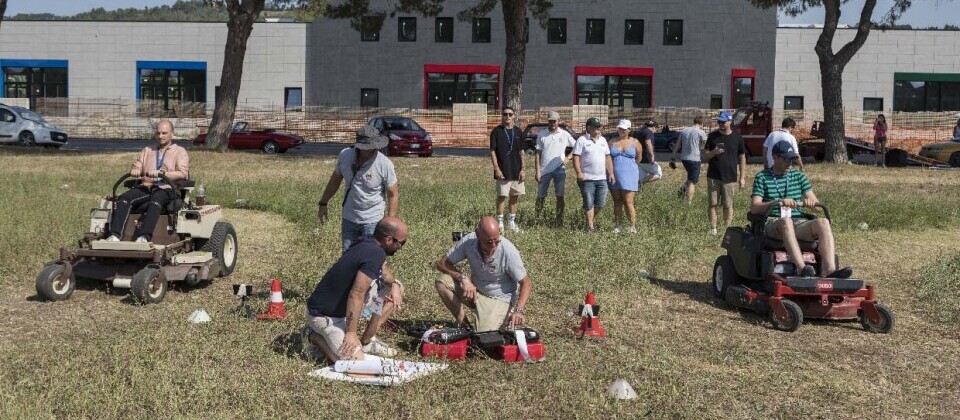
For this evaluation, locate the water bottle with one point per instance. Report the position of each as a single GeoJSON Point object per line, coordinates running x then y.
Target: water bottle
{"type": "Point", "coordinates": [201, 196]}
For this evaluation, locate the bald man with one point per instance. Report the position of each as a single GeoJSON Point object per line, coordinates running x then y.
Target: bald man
{"type": "Point", "coordinates": [359, 279]}
{"type": "Point", "coordinates": [498, 286]}
{"type": "Point", "coordinates": [153, 193]}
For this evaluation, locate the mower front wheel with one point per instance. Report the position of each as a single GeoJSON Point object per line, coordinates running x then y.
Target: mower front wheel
{"type": "Point", "coordinates": [53, 284]}
{"type": "Point", "coordinates": [791, 321]}
{"type": "Point", "coordinates": [724, 276]}
{"type": "Point", "coordinates": [887, 320]}
{"type": "Point", "coordinates": [148, 286]}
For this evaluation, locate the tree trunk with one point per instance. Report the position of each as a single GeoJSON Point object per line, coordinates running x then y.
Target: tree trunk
{"type": "Point", "coordinates": [514, 14]}
{"type": "Point", "coordinates": [243, 13]}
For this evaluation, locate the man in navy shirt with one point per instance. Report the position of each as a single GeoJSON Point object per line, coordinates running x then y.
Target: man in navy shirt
{"type": "Point", "coordinates": [359, 279]}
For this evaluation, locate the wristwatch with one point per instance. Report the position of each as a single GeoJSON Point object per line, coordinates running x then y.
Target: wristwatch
{"type": "Point", "coordinates": [517, 310]}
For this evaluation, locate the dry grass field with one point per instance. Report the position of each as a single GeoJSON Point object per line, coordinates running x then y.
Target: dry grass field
{"type": "Point", "coordinates": [97, 355]}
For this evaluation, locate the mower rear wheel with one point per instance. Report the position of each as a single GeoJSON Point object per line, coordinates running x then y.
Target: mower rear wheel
{"type": "Point", "coordinates": [887, 320]}
{"type": "Point", "coordinates": [223, 244]}
{"type": "Point", "coordinates": [724, 275]}
{"type": "Point", "coordinates": [792, 321]}
{"type": "Point", "coordinates": [148, 286]}
{"type": "Point", "coordinates": [53, 285]}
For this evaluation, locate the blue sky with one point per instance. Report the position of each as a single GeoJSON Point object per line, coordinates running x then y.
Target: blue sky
{"type": "Point", "coordinates": [923, 13]}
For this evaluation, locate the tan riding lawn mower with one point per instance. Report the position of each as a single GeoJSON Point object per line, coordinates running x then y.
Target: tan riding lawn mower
{"type": "Point", "coordinates": [191, 243]}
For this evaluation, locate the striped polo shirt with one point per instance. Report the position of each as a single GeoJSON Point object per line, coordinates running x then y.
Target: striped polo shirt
{"type": "Point", "coordinates": [771, 188]}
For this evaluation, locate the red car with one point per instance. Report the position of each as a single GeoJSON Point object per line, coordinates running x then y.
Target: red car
{"type": "Point", "coordinates": [269, 140]}
{"type": "Point", "coordinates": [406, 136]}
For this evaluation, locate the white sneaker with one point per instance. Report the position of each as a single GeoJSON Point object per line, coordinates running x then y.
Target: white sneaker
{"type": "Point", "coordinates": [514, 228]}
{"type": "Point", "coordinates": [142, 239]}
{"type": "Point", "coordinates": [713, 231]}
{"type": "Point", "coordinates": [377, 348]}
{"type": "Point", "coordinates": [113, 238]}
{"type": "Point", "coordinates": [309, 350]}
{"type": "Point", "coordinates": [501, 225]}
{"type": "Point", "coordinates": [633, 229]}
{"type": "Point", "coordinates": [616, 229]}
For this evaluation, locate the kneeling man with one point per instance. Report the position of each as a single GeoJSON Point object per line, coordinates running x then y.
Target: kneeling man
{"type": "Point", "coordinates": [359, 279]}
{"type": "Point", "coordinates": [491, 290]}
{"type": "Point", "coordinates": [777, 192]}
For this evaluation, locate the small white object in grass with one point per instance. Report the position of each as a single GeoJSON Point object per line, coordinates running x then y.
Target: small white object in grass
{"type": "Point", "coordinates": [414, 166]}
{"type": "Point", "coordinates": [643, 274]}
{"type": "Point", "coordinates": [621, 390]}
{"type": "Point", "coordinates": [65, 187]}
{"type": "Point", "coordinates": [316, 231]}
{"type": "Point", "coordinates": [240, 202]}
{"type": "Point", "coordinates": [199, 316]}
{"type": "Point", "coordinates": [863, 226]}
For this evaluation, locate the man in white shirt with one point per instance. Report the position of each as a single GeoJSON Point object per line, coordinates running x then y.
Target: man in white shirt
{"type": "Point", "coordinates": [553, 144]}
{"type": "Point", "coordinates": [591, 160]}
{"type": "Point", "coordinates": [785, 133]}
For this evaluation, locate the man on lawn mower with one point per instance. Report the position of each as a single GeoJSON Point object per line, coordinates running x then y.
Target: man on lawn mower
{"type": "Point", "coordinates": [778, 192]}
{"type": "Point", "coordinates": [153, 193]}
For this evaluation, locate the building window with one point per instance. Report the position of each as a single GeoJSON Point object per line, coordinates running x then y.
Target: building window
{"type": "Point", "coordinates": [557, 31]}
{"type": "Point", "coordinates": [293, 99]}
{"type": "Point", "coordinates": [407, 29]}
{"type": "Point", "coordinates": [370, 28]}
{"type": "Point", "coordinates": [481, 30]}
{"type": "Point", "coordinates": [171, 88]}
{"type": "Point", "coordinates": [447, 85]}
{"type": "Point", "coordinates": [742, 87]}
{"type": "Point", "coordinates": [673, 32]}
{"type": "Point", "coordinates": [444, 29]}
{"type": "Point", "coordinates": [933, 92]}
{"type": "Point", "coordinates": [633, 32]}
{"type": "Point", "coordinates": [370, 97]}
{"type": "Point", "coordinates": [621, 88]}
{"type": "Point", "coordinates": [873, 104]}
{"type": "Point", "coordinates": [793, 103]}
{"type": "Point", "coordinates": [37, 80]}
{"type": "Point", "coordinates": [595, 31]}
{"type": "Point", "coordinates": [716, 101]}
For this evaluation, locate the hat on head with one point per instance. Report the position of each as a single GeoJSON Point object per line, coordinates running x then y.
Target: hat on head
{"type": "Point", "coordinates": [624, 124]}
{"type": "Point", "coordinates": [650, 123]}
{"type": "Point", "coordinates": [785, 149]}
{"type": "Point", "coordinates": [553, 116]}
{"type": "Point", "coordinates": [593, 122]}
{"type": "Point", "coordinates": [369, 138]}
{"type": "Point", "coordinates": [724, 116]}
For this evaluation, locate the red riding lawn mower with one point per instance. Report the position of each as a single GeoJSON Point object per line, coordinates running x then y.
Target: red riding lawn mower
{"type": "Point", "coordinates": [757, 274]}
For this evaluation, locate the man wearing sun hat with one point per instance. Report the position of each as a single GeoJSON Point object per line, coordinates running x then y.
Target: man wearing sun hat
{"type": "Point", "coordinates": [723, 151]}
{"type": "Point", "coordinates": [372, 190]}
{"type": "Point", "coordinates": [554, 146]}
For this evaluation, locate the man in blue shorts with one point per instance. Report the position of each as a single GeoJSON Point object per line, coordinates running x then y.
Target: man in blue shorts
{"type": "Point", "coordinates": [688, 146]}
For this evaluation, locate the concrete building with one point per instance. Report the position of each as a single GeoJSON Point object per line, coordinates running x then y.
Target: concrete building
{"type": "Point", "coordinates": [624, 53]}
{"type": "Point", "coordinates": [893, 71]}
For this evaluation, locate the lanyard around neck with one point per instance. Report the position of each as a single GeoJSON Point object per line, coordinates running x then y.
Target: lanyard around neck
{"type": "Point", "coordinates": [160, 158]}
{"type": "Point", "coordinates": [786, 183]}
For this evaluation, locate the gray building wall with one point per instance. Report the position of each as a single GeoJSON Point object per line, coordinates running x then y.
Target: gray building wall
{"type": "Point", "coordinates": [102, 56]}
{"type": "Point", "coordinates": [870, 73]}
{"type": "Point", "coordinates": [719, 35]}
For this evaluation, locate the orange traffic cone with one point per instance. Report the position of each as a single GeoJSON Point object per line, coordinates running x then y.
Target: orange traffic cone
{"type": "Point", "coordinates": [275, 310]}
{"type": "Point", "coordinates": [590, 325]}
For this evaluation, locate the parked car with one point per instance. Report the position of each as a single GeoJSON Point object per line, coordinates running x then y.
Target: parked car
{"type": "Point", "coordinates": [267, 140]}
{"type": "Point", "coordinates": [406, 136]}
{"type": "Point", "coordinates": [19, 125]}
{"type": "Point", "coordinates": [531, 131]}
{"type": "Point", "coordinates": [945, 151]}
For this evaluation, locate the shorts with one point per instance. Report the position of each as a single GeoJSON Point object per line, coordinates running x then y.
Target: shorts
{"type": "Point", "coordinates": [718, 189]}
{"type": "Point", "coordinates": [802, 229]}
{"type": "Point", "coordinates": [489, 314]}
{"type": "Point", "coordinates": [350, 232]}
{"type": "Point", "coordinates": [594, 193]}
{"type": "Point", "coordinates": [559, 177]}
{"type": "Point", "coordinates": [333, 329]}
{"type": "Point", "coordinates": [693, 170]}
{"type": "Point", "coordinates": [649, 169]}
{"type": "Point", "coordinates": [511, 188]}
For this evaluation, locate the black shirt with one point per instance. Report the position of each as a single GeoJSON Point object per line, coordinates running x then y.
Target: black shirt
{"type": "Point", "coordinates": [723, 167]}
{"type": "Point", "coordinates": [644, 134]}
{"type": "Point", "coordinates": [330, 296]}
{"type": "Point", "coordinates": [508, 145]}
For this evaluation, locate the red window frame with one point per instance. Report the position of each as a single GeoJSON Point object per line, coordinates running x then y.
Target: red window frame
{"type": "Point", "coordinates": [746, 74]}
{"type": "Point", "coordinates": [461, 68]}
{"type": "Point", "coordinates": [611, 71]}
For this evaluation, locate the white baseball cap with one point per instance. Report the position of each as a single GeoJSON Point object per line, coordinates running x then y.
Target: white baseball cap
{"type": "Point", "coordinates": [624, 124]}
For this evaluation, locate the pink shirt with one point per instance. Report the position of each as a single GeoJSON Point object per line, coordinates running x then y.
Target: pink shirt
{"type": "Point", "coordinates": [880, 130]}
{"type": "Point", "coordinates": [173, 160]}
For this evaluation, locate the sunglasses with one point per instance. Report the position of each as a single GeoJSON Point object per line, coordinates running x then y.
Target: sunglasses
{"type": "Point", "coordinates": [402, 243]}
{"type": "Point", "coordinates": [508, 114]}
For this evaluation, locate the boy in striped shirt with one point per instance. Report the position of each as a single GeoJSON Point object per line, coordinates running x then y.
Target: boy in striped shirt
{"type": "Point", "coordinates": [781, 189]}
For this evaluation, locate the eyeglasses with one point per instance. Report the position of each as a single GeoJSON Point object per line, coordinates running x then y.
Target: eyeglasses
{"type": "Point", "coordinates": [402, 243]}
{"type": "Point", "coordinates": [491, 241]}
{"type": "Point", "coordinates": [508, 114]}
